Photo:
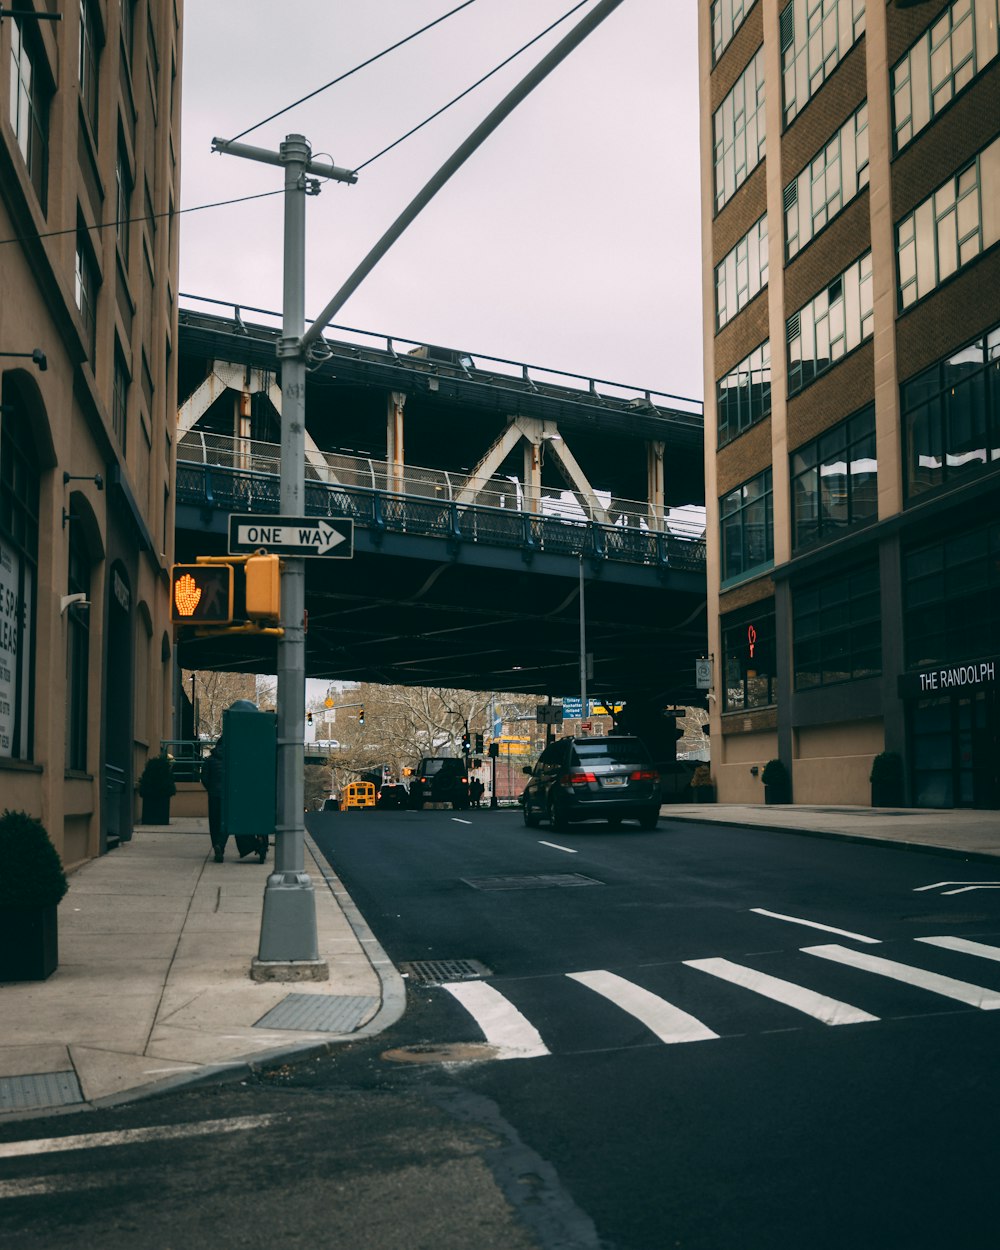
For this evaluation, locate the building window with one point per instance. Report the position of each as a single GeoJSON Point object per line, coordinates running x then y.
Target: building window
{"type": "Point", "coordinates": [738, 129]}
{"type": "Point", "coordinates": [86, 284]}
{"type": "Point", "coordinates": [747, 527]}
{"type": "Point", "coordinates": [77, 656]}
{"type": "Point", "coordinates": [19, 491]}
{"type": "Point", "coordinates": [119, 400]}
{"type": "Point", "coordinates": [949, 229]}
{"type": "Point", "coordinates": [123, 200]}
{"type": "Point", "coordinates": [742, 274]}
{"type": "Point", "coordinates": [952, 598]}
{"type": "Point", "coordinates": [87, 65]}
{"type": "Point", "coordinates": [743, 396]}
{"type": "Point", "coordinates": [837, 632]}
{"type": "Point", "coordinates": [727, 18]}
{"type": "Point", "coordinates": [835, 481]}
{"type": "Point", "coordinates": [943, 61]}
{"type": "Point", "coordinates": [950, 416]}
{"type": "Point", "coordinates": [749, 658]}
{"type": "Point", "coordinates": [816, 35]}
{"type": "Point", "coordinates": [832, 324]}
{"type": "Point", "coordinates": [828, 183]}
{"type": "Point", "coordinates": [29, 110]}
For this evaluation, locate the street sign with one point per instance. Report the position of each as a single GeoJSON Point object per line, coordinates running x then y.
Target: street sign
{"type": "Point", "coordinates": [293, 535]}
{"type": "Point", "coordinates": [703, 674]}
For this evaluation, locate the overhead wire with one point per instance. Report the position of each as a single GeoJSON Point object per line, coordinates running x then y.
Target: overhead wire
{"type": "Point", "coordinates": [478, 83]}
{"type": "Point", "coordinates": [347, 74]}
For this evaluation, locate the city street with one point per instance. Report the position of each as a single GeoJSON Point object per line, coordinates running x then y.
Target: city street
{"type": "Point", "coordinates": [565, 1097]}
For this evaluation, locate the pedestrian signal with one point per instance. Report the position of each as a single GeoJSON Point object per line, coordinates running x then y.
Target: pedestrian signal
{"type": "Point", "coordinates": [263, 588]}
{"type": "Point", "coordinates": [201, 594]}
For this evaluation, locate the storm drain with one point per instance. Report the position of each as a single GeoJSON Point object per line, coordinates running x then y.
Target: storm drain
{"type": "Point", "coordinates": [538, 881]}
{"type": "Point", "coordinates": [46, 1089]}
{"type": "Point", "coordinates": [319, 1013]}
{"type": "Point", "coordinates": [443, 971]}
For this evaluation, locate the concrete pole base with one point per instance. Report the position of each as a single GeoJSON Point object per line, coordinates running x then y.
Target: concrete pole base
{"type": "Point", "coordinates": [288, 929]}
{"type": "Point", "coordinates": [289, 970]}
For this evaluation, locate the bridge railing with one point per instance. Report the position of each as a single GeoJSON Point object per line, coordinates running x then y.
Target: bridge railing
{"type": "Point", "coordinates": [240, 490]}
{"type": "Point", "coordinates": [334, 469]}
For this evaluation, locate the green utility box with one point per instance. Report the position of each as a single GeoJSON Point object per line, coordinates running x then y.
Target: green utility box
{"type": "Point", "coordinates": [249, 789]}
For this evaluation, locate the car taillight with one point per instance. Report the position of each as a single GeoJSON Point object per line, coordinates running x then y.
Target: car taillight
{"type": "Point", "coordinates": [644, 774]}
{"type": "Point", "coordinates": [423, 781]}
{"type": "Point", "coordinates": [577, 778]}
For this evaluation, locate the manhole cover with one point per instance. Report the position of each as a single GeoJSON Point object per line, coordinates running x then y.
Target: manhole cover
{"type": "Point", "coordinates": [443, 971]}
{"type": "Point", "coordinates": [538, 881]}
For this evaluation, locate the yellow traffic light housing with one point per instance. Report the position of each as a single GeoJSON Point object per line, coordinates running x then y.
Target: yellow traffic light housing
{"type": "Point", "coordinates": [201, 594]}
{"type": "Point", "coordinates": [263, 588]}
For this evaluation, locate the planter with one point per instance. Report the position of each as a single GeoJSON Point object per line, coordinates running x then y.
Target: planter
{"type": "Point", "coordinates": [704, 794]}
{"type": "Point", "coordinates": [156, 809]}
{"type": "Point", "coordinates": [776, 794]}
{"type": "Point", "coordinates": [887, 794]}
{"type": "Point", "coordinates": [29, 943]}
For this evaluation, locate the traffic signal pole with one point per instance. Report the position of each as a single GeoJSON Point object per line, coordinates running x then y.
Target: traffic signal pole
{"type": "Point", "coordinates": [289, 949]}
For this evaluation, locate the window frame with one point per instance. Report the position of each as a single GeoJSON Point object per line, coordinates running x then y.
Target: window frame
{"type": "Point", "coordinates": [756, 689]}
{"type": "Point", "coordinates": [744, 269]}
{"type": "Point", "coordinates": [800, 190]}
{"type": "Point", "coordinates": [735, 506]}
{"type": "Point", "coordinates": [797, 51]}
{"type": "Point", "coordinates": [29, 108]}
{"type": "Point", "coordinates": [732, 121]}
{"type": "Point", "coordinates": [831, 309]}
{"type": "Point", "coordinates": [757, 362]}
{"type": "Point", "coordinates": [856, 430]}
{"type": "Point", "coordinates": [853, 598]}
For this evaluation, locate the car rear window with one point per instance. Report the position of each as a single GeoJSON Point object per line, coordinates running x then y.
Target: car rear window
{"type": "Point", "coordinates": [611, 751]}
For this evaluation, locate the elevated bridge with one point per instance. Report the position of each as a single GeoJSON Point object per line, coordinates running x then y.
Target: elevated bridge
{"type": "Point", "coordinates": [468, 549]}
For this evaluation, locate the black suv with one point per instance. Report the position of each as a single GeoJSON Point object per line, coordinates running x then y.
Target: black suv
{"type": "Point", "coordinates": [440, 780]}
{"type": "Point", "coordinates": [610, 779]}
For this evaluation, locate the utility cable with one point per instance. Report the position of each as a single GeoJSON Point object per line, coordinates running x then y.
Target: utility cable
{"type": "Point", "coordinates": [123, 221]}
{"type": "Point", "coordinates": [371, 61]}
{"type": "Point", "coordinates": [496, 69]}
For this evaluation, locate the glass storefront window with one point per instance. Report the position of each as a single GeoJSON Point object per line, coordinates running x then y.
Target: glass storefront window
{"type": "Point", "coordinates": [749, 658]}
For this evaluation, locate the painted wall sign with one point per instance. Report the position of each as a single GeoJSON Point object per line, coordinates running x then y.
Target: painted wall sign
{"type": "Point", "coordinates": [947, 678]}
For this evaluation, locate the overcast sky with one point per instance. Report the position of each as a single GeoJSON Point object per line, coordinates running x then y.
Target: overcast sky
{"type": "Point", "coordinates": [569, 240]}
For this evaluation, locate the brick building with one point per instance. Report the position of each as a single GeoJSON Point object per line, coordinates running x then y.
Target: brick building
{"type": "Point", "coordinates": [851, 216]}
{"type": "Point", "coordinates": [89, 145]}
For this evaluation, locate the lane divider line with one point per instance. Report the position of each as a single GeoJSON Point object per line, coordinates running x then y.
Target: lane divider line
{"type": "Point", "coordinates": [556, 847]}
{"type": "Point", "coordinates": [132, 1136]}
{"type": "Point", "coordinates": [814, 924]}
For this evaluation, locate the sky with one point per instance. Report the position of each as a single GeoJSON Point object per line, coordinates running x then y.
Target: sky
{"type": "Point", "coordinates": [570, 240]}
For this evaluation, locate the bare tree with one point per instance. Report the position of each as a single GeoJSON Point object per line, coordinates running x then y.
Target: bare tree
{"type": "Point", "coordinates": [214, 692]}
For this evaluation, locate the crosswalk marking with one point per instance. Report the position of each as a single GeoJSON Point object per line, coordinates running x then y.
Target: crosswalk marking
{"type": "Point", "coordinates": [964, 945]}
{"type": "Point", "coordinates": [668, 1022]}
{"type": "Point", "coordinates": [502, 1024]}
{"type": "Point", "coordinates": [961, 991]}
{"type": "Point", "coordinates": [132, 1136]}
{"type": "Point", "coordinates": [819, 1006]}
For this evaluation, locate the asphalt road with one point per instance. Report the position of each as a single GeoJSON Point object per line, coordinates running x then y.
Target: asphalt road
{"type": "Point", "coordinates": [624, 1078]}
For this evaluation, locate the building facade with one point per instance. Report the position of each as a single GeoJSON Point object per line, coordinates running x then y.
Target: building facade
{"type": "Point", "coordinates": [89, 180]}
{"type": "Point", "coordinates": [851, 270]}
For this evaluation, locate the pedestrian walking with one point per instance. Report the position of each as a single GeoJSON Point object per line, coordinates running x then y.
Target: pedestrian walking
{"type": "Point", "coordinates": [476, 789]}
{"type": "Point", "coordinates": [213, 774]}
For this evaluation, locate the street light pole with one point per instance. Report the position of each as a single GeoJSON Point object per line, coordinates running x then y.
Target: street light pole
{"type": "Point", "coordinates": [289, 948]}
{"type": "Point", "coordinates": [584, 708]}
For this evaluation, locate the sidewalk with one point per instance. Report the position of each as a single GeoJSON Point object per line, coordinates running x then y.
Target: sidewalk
{"type": "Point", "coordinates": [153, 988]}
{"type": "Point", "coordinates": [156, 940]}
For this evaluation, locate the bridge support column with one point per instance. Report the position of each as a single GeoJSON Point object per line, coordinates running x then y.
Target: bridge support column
{"type": "Point", "coordinates": [394, 441]}
{"type": "Point", "coordinates": [655, 484]}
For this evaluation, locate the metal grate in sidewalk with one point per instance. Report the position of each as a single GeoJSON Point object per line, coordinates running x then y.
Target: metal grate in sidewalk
{"type": "Point", "coordinates": [43, 1089]}
{"type": "Point", "coordinates": [443, 971]}
{"type": "Point", "coordinates": [319, 1013]}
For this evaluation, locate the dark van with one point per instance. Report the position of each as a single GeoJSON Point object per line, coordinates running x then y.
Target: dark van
{"type": "Point", "coordinates": [440, 780]}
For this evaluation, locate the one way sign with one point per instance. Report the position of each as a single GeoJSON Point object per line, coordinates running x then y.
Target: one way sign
{"type": "Point", "coordinates": [293, 535]}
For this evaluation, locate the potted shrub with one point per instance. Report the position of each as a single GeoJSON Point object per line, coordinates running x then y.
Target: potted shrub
{"type": "Point", "coordinates": [156, 785]}
{"type": "Point", "coordinates": [32, 882]}
{"type": "Point", "coordinates": [702, 785]}
{"type": "Point", "coordinates": [887, 779]}
{"type": "Point", "coordinates": [777, 782]}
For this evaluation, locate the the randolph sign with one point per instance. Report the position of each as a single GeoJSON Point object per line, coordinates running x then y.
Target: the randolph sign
{"type": "Point", "coordinates": [948, 678]}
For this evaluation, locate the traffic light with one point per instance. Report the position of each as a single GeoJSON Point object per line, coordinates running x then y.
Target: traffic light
{"type": "Point", "coordinates": [466, 744]}
{"type": "Point", "coordinates": [201, 594]}
{"type": "Point", "coordinates": [263, 588]}
{"type": "Point", "coordinates": [361, 714]}
{"type": "Point", "coordinates": [479, 744]}
{"type": "Point", "coordinates": [494, 750]}
{"type": "Point", "coordinates": [309, 718]}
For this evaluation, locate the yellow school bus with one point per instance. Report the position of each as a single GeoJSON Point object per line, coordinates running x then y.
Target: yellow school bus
{"type": "Point", "coordinates": [357, 794]}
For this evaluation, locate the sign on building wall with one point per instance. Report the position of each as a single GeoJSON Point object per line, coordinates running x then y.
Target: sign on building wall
{"type": "Point", "coordinates": [15, 633]}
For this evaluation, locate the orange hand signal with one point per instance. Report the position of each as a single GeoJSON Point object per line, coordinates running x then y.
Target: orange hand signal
{"type": "Point", "coordinates": [187, 594]}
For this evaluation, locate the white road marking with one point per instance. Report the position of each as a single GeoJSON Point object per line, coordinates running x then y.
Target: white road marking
{"type": "Point", "coordinates": [459, 821]}
{"type": "Point", "coordinates": [961, 991]}
{"type": "Point", "coordinates": [556, 847]}
{"type": "Point", "coordinates": [502, 1024]}
{"type": "Point", "coordinates": [814, 924]}
{"type": "Point", "coordinates": [129, 1137]}
{"type": "Point", "coordinates": [37, 1186]}
{"type": "Point", "coordinates": [967, 889]}
{"type": "Point", "coordinates": [828, 1010]}
{"type": "Point", "coordinates": [935, 885]}
{"type": "Point", "coordinates": [669, 1023]}
{"type": "Point", "coordinates": [965, 946]}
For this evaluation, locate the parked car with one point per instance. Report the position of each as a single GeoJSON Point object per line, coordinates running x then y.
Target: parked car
{"type": "Point", "coordinates": [393, 796]}
{"type": "Point", "coordinates": [332, 804]}
{"type": "Point", "coordinates": [610, 779]}
{"type": "Point", "coordinates": [440, 780]}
